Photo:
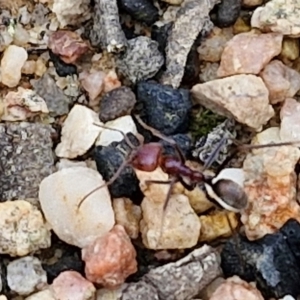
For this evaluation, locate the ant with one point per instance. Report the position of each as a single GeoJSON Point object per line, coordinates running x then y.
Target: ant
{"type": "Point", "coordinates": [224, 193]}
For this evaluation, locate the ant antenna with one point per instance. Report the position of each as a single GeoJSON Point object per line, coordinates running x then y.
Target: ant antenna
{"type": "Point", "coordinates": [121, 167]}
{"type": "Point", "coordinates": [111, 180]}
{"type": "Point", "coordinates": [127, 140]}
{"type": "Point", "coordinates": [158, 134]}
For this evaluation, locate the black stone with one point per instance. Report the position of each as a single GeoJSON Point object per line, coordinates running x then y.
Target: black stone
{"type": "Point", "coordinates": [117, 103]}
{"type": "Point", "coordinates": [227, 12]}
{"type": "Point", "coordinates": [184, 143]}
{"type": "Point", "coordinates": [142, 10]}
{"type": "Point", "coordinates": [272, 261]}
{"type": "Point", "coordinates": [109, 159]}
{"type": "Point", "coordinates": [192, 66]}
{"type": "Point", "coordinates": [62, 69]}
{"type": "Point", "coordinates": [164, 108]}
{"type": "Point", "coordinates": [65, 263]}
{"type": "Point", "coordinates": [160, 34]}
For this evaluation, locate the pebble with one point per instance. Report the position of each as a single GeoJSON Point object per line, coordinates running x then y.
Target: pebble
{"type": "Point", "coordinates": [29, 67]}
{"type": "Point", "coordinates": [173, 2]}
{"type": "Point", "coordinates": [192, 66]}
{"type": "Point", "coordinates": [30, 269]}
{"type": "Point", "coordinates": [278, 16]}
{"type": "Point", "coordinates": [208, 71]}
{"type": "Point", "coordinates": [57, 102]}
{"type": "Point", "coordinates": [252, 3]}
{"type": "Point", "coordinates": [109, 159]}
{"type": "Point", "coordinates": [141, 61]}
{"type": "Point", "coordinates": [282, 82]}
{"type": "Point", "coordinates": [68, 45]}
{"type": "Point", "coordinates": [270, 184]}
{"type": "Point", "coordinates": [235, 288]}
{"type": "Point", "coordinates": [110, 259]}
{"type": "Point", "coordinates": [162, 103]}
{"type": "Point", "coordinates": [159, 33]}
{"type": "Point", "coordinates": [78, 132]}
{"type": "Point", "coordinates": [128, 215]}
{"type": "Point", "coordinates": [117, 103]}
{"type": "Point", "coordinates": [178, 227]}
{"type": "Point", "coordinates": [243, 97]}
{"type": "Point", "coordinates": [263, 258]}
{"type": "Point", "coordinates": [228, 12]}
{"type": "Point", "coordinates": [42, 295]}
{"type": "Point", "coordinates": [198, 200]}
{"type": "Point", "coordinates": [107, 136]}
{"type": "Point", "coordinates": [290, 49]}
{"type": "Point", "coordinates": [11, 65]}
{"type": "Point", "coordinates": [93, 83]}
{"type": "Point", "coordinates": [109, 294]}
{"type": "Point", "coordinates": [59, 196]}
{"type": "Point", "coordinates": [23, 229]}
{"type": "Point", "coordinates": [71, 285]}
{"type": "Point", "coordinates": [212, 46]}
{"type": "Point", "coordinates": [23, 104]}
{"type": "Point", "coordinates": [141, 10]}
{"type": "Point", "coordinates": [249, 53]}
{"type": "Point", "coordinates": [217, 225]}
{"type": "Point", "coordinates": [183, 279]}
{"type": "Point", "coordinates": [29, 147]}
{"type": "Point", "coordinates": [206, 145]}
{"type": "Point", "coordinates": [62, 69]}
{"type": "Point", "coordinates": [192, 20]}
{"type": "Point", "coordinates": [290, 117]}
{"type": "Point", "coordinates": [71, 12]}
{"type": "Point", "coordinates": [111, 81]}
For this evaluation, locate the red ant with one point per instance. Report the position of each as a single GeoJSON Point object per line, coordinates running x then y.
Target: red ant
{"type": "Point", "coordinates": [147, 157]}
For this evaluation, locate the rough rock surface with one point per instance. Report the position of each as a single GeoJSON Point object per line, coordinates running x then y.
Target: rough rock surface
{"type": "Point", "coordinates": [142, 59]}
{"type": "Point", "coordinates": [23, 229]}
{"type": "Point", "coordinates": [29, 268]}
{"type": "Point", "coordinates": [290, 120]}
{"type": "Point", "coordinates": [72, 285]}
{"type": "Point", "coordinates": [249, 53]}
{"type": "Point", "coordinates": [278, 16]}
{"type": "Point", "coordinates": [282, 82]}
{"type": "Point", "coordinates": [110, 259]}
{"type": "Point", "coordinates": [178, 227]}
{"type": "Point", "coordinates": [78, 132]}
{"type": "Point", "coordinates": [11, 64]}
{"type": "Point", "coordinates": [270, 184]}
{"type": "Point", "coordinates": [235, 288]}
{"type": "Point", "coordinates": [243, 97]}
{"type": "Point", "coordinates": [25, 159]}
{"type": "Point", "coordinates": [180, 280]}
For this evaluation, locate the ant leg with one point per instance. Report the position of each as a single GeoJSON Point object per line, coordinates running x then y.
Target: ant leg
{"type": "Point", "coordinates": [187, 186]}
{"type": "Point", "coordinates": [158, 182]}
{"type": "Point", "coordinates": [236, 240]}
{"type": "Point", "coordinates": [111, 180]}
{"type": "Point", "coordinates": [127, 140]}
{"type": "Point", "coordinates": [214, 154]}
{"type": "Point", "coordinates": [158, 134]}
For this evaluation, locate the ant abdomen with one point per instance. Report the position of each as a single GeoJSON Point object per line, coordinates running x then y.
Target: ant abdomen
{"type": "Point", "coordinates": [232, 195]}
{"type": "Point", "coordinates": [147, 157]}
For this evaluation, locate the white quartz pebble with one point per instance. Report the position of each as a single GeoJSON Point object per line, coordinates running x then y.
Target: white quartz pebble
{"type": "Point", "coordinates": [78, 133]}
{"type": "Point", "coordinates": [59, 196]}
{"type": "Point", "coordinates": [12, 62]}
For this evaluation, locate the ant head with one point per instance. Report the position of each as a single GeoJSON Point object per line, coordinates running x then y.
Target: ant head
{"type": "Point", "coordinates": [227, 192]}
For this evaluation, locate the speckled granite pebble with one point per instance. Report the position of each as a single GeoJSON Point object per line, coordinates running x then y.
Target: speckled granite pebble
{"type": "Point", "coordinates": [25, 159]}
